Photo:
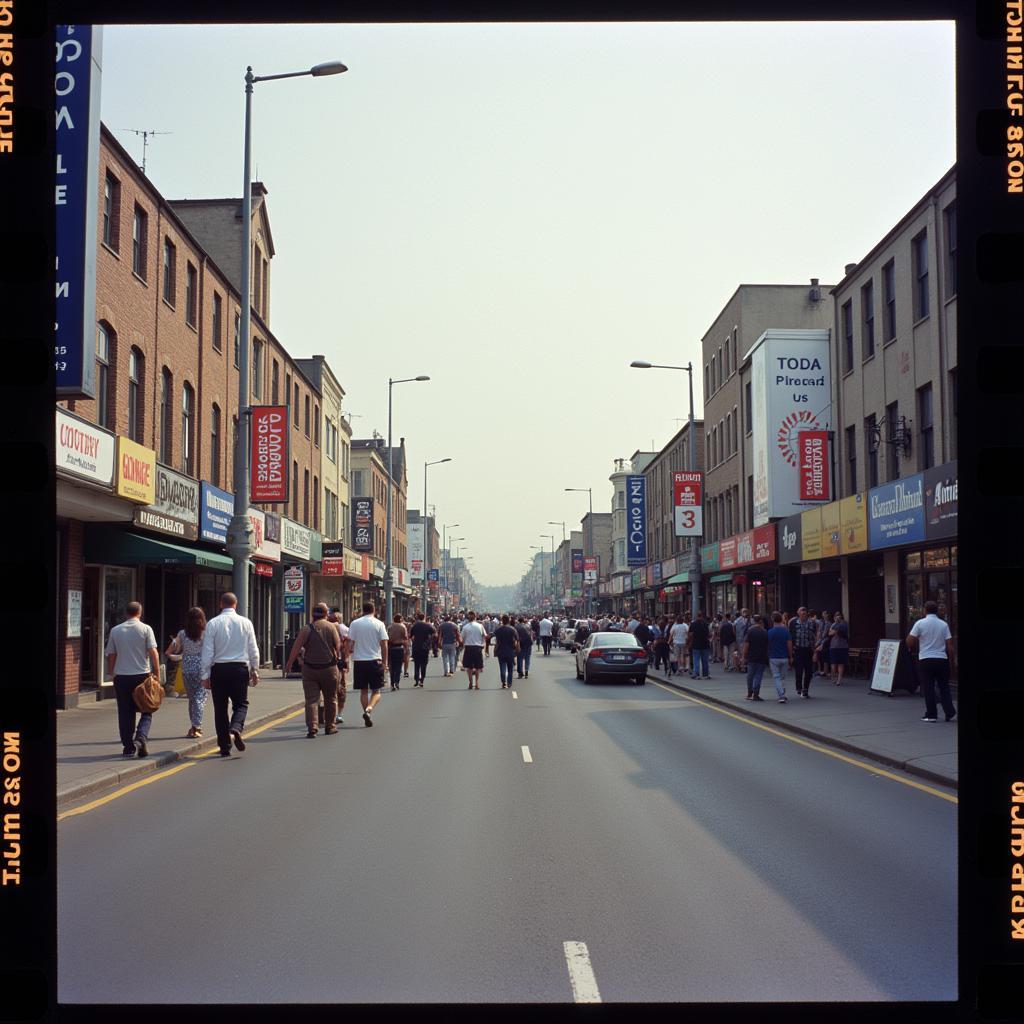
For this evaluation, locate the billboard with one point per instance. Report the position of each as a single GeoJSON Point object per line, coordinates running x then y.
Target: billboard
{"type": "Point", "coordinates": [591, 566]}
{"type": "Point", "coordinates": [687, 503]}
{"type": "Point", "coordinates": [268, 469]}
{"type": "Point", "coordinates": [940, 495]}
{"type": "Point", "coordinates": [636, 520]}
{"type": "Point", "coordinates": [362, 524]}
{"type": "Point", "coordinates": [577, 559]}
{"type": "Point", "coordinates": [812, 448]}
{"type": "Point", "coordinates": [896, 513]}
{"type": "Point", "coordinates": [790, 394]}
{"type": "Point", "coordinates": [415, 535]}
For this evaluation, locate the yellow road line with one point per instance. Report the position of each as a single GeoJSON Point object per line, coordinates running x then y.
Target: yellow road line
{"type": "Point", "coordinates": [168, 772]}
{"type": "Point", "coordinates": [873, 768]}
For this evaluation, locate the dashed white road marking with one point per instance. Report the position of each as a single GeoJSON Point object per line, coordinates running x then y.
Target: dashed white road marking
{"type": "Point", "coordinates": [515, 696]}
{"type": "Point", "coordinates": [581, 973]}
{"type": "Point", "coordinates": [527, 756]}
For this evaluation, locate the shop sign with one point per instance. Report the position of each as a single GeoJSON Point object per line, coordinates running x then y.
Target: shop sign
{"type": "Point", "coordinates": [84, 450]}
{"type": "Point", "coordinates": [332, 559]}
{"type": "Point", "coordinates": [636, 520]}
{"type": "Point", "coordinates": [294, 590]}
{"type": "Point", "coordinates": [790, 546]}
{"type": "Point", "coordinates": [354, 564]}
{"type": "Point", "coordinates": [896, 513]}
{"type": "Point", "coordinates": [853, 524]}
{"type": "Point", "coordinates": [810, 530]}
{"type": "Point", "coordinates": [810, 568]}
{"type": "Point", "coordinates": [262, 546]}
{"type": "Point", "coordinates": [577, 560]}
{"type": "Point", "coordinates": [727, 553]}
{"type": "Point", "coordinates": [790, 393]}
{"type": "Point", "coordinates": [295, 539]}
{"type": "Point", "coordinates": [272, 527]}
{"type": "Point", "coordinates": [709, 557]}
{"type": "Point", "coordinates": [175, 509]}
{"type": "Point", "coordinates": [216, 508]}
{"type": "Point", "coordinates": [268, 469]}
{"type": "Point", "coordinates": [78, 72]}
{"type": "Point", "coordinates": [940, 495]}
{"type": "Point", "coordinates": [414, 533]}
{"type": "Point", "coordinates": [757, 545]}
{"type": "Point", "coordinates": [591, 564]}
{"type": "Point", "coordinates": [136, 472]}
{"type": "Point", "coordinates": [362, 524]}
{"type": "Point", "coordinates": [886, 658]}
{"type": "Point", "coordinates": [638, 579]}
{"type": "Point", "coordinates": [687, 504]}
{"type": "Point", "coordinates": [433, 575]}
{"type": "Point", "coordinates": [263, 568]}
{"type": "Point", "coordinates": [656, 576]}
{"type": "Point", "coordinates": [668, 568]}
{"type": "Point", "coordinates": [812, 451]}
{"type": "Point", "coordinates": [830, 530]}
{"type": "Point", "coordinates": [74, 614]}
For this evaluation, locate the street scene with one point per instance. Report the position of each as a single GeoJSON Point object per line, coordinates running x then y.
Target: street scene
{"type": "Point", "coordinates": [557, 596]}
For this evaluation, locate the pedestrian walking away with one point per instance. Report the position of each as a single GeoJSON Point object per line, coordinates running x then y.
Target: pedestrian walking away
{"type": "Point", "coordinates": [474, 636]}
{"type": "Point", "coordinates": [525, 648]}
{"type": "Point", "coordinates": [700, 647]}
{"type": "Point", "coordinates": [677, 639]}
{"type": "Point", "coordinates": [741, 624]}
{"type": "Point", "coordinates": [321, 650]}
{"type": "Point", "coordinates": [839, 647]}
{"type": "Point", "coordinates": [506, 646]}
{"type": "Point", "coordinates": [804, 635]}
{"type": "Point", "coordinates": [398, 644]}
{"type": "Point", "coordinates": [931, 638]}
{"type": "Point", "coordinates": [545, 627]}
{"type": "Point", "coordinates": [824, 640]}
{"type": "Point", "coordinates": [727, 638]}
{"type": "Point", "coordinates": [421, 637]}
{"type": "Point", "coordinates": [369, 639]}
{"type": "Point", "coordinates": [449, 646]}
{"type": "Point", "coordinates": [188, 646]}
{"type": "Point", "coordinates": [780, 653]}
{"type": "Point", "coordinates": [132, 656]}
{"type": "Point", "coordinates": [346, 650]}
{"type": "Point", "coordinates": [230, 663]}
{"type": "Point", "coordinates": [755, 657]}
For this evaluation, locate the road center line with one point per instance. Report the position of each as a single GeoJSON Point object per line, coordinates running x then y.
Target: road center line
{"type": "Point", "coordinates": [515, 696]}
{"type": "Point", "coordinates": [527, 756]}
{"type": "Point", "coordinates": [581, 973]}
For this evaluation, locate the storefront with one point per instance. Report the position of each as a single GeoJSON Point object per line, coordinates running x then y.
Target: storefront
{"type": "Point", "coordinates": [300, 548]}
{"type": "Point", "coordinates": [756, 587]}
{"type": "Point", "coordinates": [357, 575]}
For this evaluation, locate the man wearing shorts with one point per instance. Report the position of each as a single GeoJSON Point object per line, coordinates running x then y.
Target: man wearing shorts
{"type": "Point", "coordinates": [369, 639]}
{"type": "Point", "coordinates": [474, 636]}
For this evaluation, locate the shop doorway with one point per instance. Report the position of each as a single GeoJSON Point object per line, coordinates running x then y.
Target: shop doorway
{"type": "Point", "coordinates": [92, 628]}
{"type": "Point", "coordinates": [866, 593]}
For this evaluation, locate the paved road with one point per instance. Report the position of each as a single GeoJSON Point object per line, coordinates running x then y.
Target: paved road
{"type": "Point", "coordinates": [698, 857]}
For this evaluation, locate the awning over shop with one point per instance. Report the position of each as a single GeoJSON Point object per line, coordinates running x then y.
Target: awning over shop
{"type": "Point", "coordinates": [119, 547]}
{"type": "Point", "coordinates": [721, 577]}
{"type": "Point", "coordinates": [680, 577]}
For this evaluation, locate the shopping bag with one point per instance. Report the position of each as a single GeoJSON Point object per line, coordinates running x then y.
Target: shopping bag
{"type": "Point", "coordinates": [179, 681]}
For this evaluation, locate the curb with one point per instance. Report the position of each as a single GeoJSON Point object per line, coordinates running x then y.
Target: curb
{"type": "Point", "coordinates": [116, 775]}
{"type": "Point", "coordinates": [828, 741]}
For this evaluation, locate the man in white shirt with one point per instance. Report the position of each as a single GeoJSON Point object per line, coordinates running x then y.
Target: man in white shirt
{"type": "Point", "coordinates": [933, 641]}
{"type": "Point", "coordinates": [369, 639]}
{"type": "Point", "coordinates": [677, 638]}
{"type": "Point", "coordinates": [131, 653]}
{"type": "Point", "coordinates": [229, 663]}
{"type": "Point", "coordinates": [546, 625]}
{"type": "Point", "coordinates": [474, 637]}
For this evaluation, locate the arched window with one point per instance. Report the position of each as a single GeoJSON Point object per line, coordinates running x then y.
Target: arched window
{"type": "Point", "coordinates": [166, 416]}
{"type": "Point", "coordinates": [136, 365]}
{"type": "Point", "coordinates": [188, 422]}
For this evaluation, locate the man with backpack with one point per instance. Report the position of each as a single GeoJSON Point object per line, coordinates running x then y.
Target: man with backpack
{"type": "Point", "coordinates": [320, 643]}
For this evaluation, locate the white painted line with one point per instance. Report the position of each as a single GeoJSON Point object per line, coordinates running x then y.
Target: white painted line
{"type": "Point", "coordinates": [515, 696]}
{"type": "Point", "coordinates": [527, 757]}
{"type": "Point", "coordinates": [581, 974]}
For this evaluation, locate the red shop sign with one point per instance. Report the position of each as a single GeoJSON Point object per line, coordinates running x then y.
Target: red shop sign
{"type": "Point", "coordinates": [268, 480]}
{"type": "Point", "coordinates": [812, 447]}
{"type": "Point", "coordinates": [263, 568]}
{"type": "Point", "coordinates": [727, 553]}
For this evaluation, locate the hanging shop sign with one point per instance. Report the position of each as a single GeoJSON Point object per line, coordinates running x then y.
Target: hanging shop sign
{"type": "Point", "coordinates": [709, 557]}
{"type": "Point", "coordinates": [577, 560]}
{"type": "Point", "coordinates": [216, 507]}
{"type": "Point", "coordinates": [262, 546]}
{"type": "Point", "coordinates": [78, 73]}
{"type": "Point", "coordinates": [810, 531]}
{"type": "Point", "coordinates": [84, 450]}
{"type": "Point", "coordinates": [414, 532]}
{"type": "Point", "coordinates": [790, 546]}
{"type": "Point", "coordinates": [896, 513]}
{"type": "Point", "coordinates": [591, 565]}
{"type": "Point", "coordinates": [636, 520]}
{"type": "Point", "coordinates": [940, 496]}
{"type": "Point", "coordinates": [263, 568]}
{"type": "Point", "coordinates": [687, 489]}
{"type": "Point", "coordinates": [853, 524]}
{"type": "Point", "coordinates": [433, 575]}
{"type": "Point", "coordinates": [136, 472]}
{"type": "Point", "coordinates": [294, 590]}
{"type": "Point", "coordinates": [332, 559]}
{"type": "Point", "coordinates": [175, 509]}
{"type": "Point", "coordinates": [830, 530]}
{"type": "Point", "coordinates": [790, 394]}
{"type": "Point", "coordinates": [813, 465]}
{"type": "Point", "coordinates": [362, 524]}
{"type": "Point", "coordinates": [268, 470]}
{"type": "Point", "coordinates": [296, 540]}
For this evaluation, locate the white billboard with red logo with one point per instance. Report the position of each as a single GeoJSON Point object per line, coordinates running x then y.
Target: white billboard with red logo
{"type": "Point", "coordinates": [812, 446]}
{"type": "Point", "coordinates": [268, 481]}
{"type": "Point", "coordinates": [791, 394]}
{"type": "Point", "coordinates": [687, 499]}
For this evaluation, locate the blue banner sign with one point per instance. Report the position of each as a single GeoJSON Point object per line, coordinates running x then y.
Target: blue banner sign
{"type": "Point", "coordinates": [636, 520]}
{"type": "Point", "coordinates": [216, 507]}
{"type": "Point", "coordinates": [896, 513]}
{"type": "Point", "coordinates": [433, 575]}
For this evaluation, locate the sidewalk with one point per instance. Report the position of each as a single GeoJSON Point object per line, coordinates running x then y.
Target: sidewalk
{"type": "Point", "coordinates": [89, 749]}
{"type": "Point", "coordinates": [851, 717]}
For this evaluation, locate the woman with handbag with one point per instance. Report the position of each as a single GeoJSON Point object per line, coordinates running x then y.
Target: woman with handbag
{"type": "Point", "coordinates": [188, 647]}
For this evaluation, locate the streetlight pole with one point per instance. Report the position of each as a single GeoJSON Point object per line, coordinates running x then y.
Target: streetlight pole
{"type": "Point", "coordinates": [388, 582]}
{"type": "Point", "coordinates": [426, 535]}
{"type": "Point", "coordinates": [695, 570]}
{"type": "Point", "coordinates": [551, 570]}
{"type": "Point", "coordinates": [239, 533]}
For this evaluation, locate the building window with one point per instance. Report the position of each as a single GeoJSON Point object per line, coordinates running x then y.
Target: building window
{"type": "Point", "coordinates": [256, 279]}
{"type": "Point", "coordinates": [257, 369]}
{"type": "Point", "coordinates": [295, 489]}
{"type": "Point", "coordinates": [237, 338]}
{"type": "Point", "coordinates": [926, 426]}
{"type": "Point", "coordinates": [275, 381]}
{"type": "Point", "coordinates": [728, 361]}
{"type": "Point", "coordinates": [953, 406]}
{"type": "Point", "coordinates": [305, 496]}
{"type": "Point", "coordinates": [170, 263]}
{"type": "Point", "coordinates": [750, 500]}
{"type": "Point", "coordinates": [950, 217]}
{"type": "Point", "coordinates": [867, 323]}
{"type": "Point", "coordinates": [329, 529]}
{"type": "Point", "coordinates": [188, 405]}
{"type": "Point", "coordinates": [847, 312]}
{"type": "Point", "coordinates": [316, 504]}
{"type": "Point", "coordinates": [736, 506]}
{"type": "Point", "coordinates": [166, 416]}
{"type": "Point", "coordinates": [728, 513]}
{"type": "Point", "coordinates": [295, 407]}
{"type": "Point", "coordinates": [135, 367]}
{"type": "Point", "coordinates": [721, 440]}
{"type": "Point", "coordinates": [735, 429]}
{"type": "Point", "coordinates": [889, 298]}
{"type": "Point", "coordinates": [215, 446]}
{"type": "Point", "coordinates": [871, 450]}
{"type": "Point", "coordinates": [748, 403]}
{"type": "Point", "coordinates": [728, 434]}
{"type": "Point", "coordinates": [111, 212]}
{"type": "Point", "coordinates": [263, 297]}
{"type": "Point", "coordinates": [707, 390]}
{"type": "Point", "coordinates": [191, 294]}
{"type": "Point", "coordinates": [919, 247]}
{"type": "Point", "coordinates": [288, 391]}
{"type": "Point", "coordinates": [721, 374]}
{"type": "Point", "coordinates": [102, 376]}
{"type": "Point", "coordinates": [306, 429]}
{"type": "Point", "coordinates": [140, 226]}
{"type": "Point", "coordinates": [851, 459]}
{"type": "Point", "coordinates": [218, 321]}
{"type": "Point", "coordinates": [330, 440]}
{"type": "Point", "coordinates": [714, 374]}
{"type": "Point", "coordinates": [892, 417]}
{"type": "Point", "coordinates": [316, 425]}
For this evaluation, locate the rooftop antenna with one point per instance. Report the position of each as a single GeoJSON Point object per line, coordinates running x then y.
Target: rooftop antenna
{"type": "Point", "coordinates": [145, 138]}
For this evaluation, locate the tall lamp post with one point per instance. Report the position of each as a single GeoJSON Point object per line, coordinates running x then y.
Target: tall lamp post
{"type": "Point", "coordinates": [239, 534]}
{"type": "Point", "coordinates": [388, 582]}
{"type": "Point", "coordinates": [445, 556]}
{"type": "Point", "coordinates": [426, 537]}
{"type": "Point", "coordinates": [588, 545]}
{"type": "Point", "coordinates": [551, 522]}
{"type": "Point", "coordinates": [695, 572]}
{"type": "Point", "coordinates": [551, 570]}
{"type": "Point", "coordinates": [452, 540]}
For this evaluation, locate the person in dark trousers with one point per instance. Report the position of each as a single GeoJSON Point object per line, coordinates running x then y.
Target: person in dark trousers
{"type": "Point", "coordinates": [700, 647]}
{"type": "Point", "coordinates": [131, 656]}
{"type": "Point", "coordinates": [803, 633]}
{"type": "Point", "coordinates": [230, 663]}
{"type": "Point", "coordinates": [727, 639]}
{"type": "Point", "coordinates": [506, 646]}
{"type": "Point", "coordinates": [320, 644]}
{"type": "Point", "coordinates": [525, 649]}
{"type": "Point", "coordinates": [422, 636]}
{"type": "Point", "coordinates": [754, 655]}
{"type": "Point", "coordinates": [449, 646]}
{"type": "Point", "coordinates": [931, 638]}
{"type": "Point", "coordinates": [398, 641]}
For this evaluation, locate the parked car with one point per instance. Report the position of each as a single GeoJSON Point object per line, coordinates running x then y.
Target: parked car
{"type": "Point", "coordinates": [612, 655]}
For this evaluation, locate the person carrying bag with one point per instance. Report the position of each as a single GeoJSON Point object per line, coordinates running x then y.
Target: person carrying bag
{"type": "Point", "coordinates": [133, 661]}
{"type": "Point", "coordinates": [187, 649]}
{"type": "Point", "coordinates": [321, 646]}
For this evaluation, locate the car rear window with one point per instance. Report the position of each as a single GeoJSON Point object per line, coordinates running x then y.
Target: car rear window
{"type": "Point", "coordinates": [615, 640]}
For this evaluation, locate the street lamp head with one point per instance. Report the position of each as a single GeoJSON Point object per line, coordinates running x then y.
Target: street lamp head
{"type": "Point", "coordinates": [640, 364]}
{"type": "Point", "coordinates": [331, 67]}
{"type": "Point", "coordinates": [421, 378]}
{"type": "Point", "coordinates": [445, 460]}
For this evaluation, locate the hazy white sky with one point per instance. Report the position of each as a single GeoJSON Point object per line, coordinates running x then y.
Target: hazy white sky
{"type": "Point", "coordinates": [521, 210]}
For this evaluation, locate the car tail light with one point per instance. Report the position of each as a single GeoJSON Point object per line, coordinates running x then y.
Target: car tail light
{"type": "Point", "coordinates": [595, 653]}
{"type": "Point", "coordinates": [639, 653]}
